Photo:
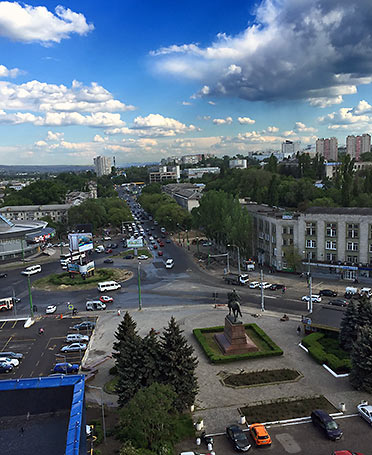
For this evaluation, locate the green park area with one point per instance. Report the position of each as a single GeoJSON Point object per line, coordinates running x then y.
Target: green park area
{"type": "Point", "coordinates": [260, 378]}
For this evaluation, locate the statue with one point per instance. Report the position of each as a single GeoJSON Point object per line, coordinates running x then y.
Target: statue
{"type": "Point", "coordinates": [233, 299]}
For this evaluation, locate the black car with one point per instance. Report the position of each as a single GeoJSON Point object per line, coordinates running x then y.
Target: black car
{"type": "Point", "coordinates": [276, 286]}
{"type": "Point", "coordinates": [338, 302]}
{"type": "Point", "coordinates": [5, 367]}
{"type": "Point", "coordinates": [3, 275]}
{"type": "Point", "coordinates": [108, 261]}
{"type": "Point", "coordinates": [238, 438]}
{"type": "Point", "coordinates": [129, 256]}
{"type": "Point", "coordinates": [326, 423]}
{"type": "Point", "coordinates": [328, 293]}
{"type": "Point", "coordinates": [85, 325]}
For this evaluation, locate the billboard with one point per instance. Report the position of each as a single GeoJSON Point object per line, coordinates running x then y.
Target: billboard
{"type": "Point", "coordinates": [73, 268]}
{"type": "Point", "coordinates": [135, 243]}
{"type": "Point", "coordinates": [86, 268]}
{"type": "Point", "coordinates": [80, 242]}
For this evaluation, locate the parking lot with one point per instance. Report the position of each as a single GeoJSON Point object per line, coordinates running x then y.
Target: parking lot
{"type": "Point", "coordinates": [40, 351]}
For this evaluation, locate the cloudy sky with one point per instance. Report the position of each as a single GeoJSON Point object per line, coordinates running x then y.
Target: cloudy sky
{"type": "Point", "coordinates": [142, 80]}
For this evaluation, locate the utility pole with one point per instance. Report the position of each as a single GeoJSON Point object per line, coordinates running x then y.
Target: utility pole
{"type": "Point", "coordinates": [139, 286]}
{"type": "Point", "coordinates": [310, 305]}
{"type": "Point", "coordinates": [239, 271]}
{"type": "Point", "coordinates": [228, 263]}
{"type": "Point", "coordinates": [30, 296]}
{"type": "Point", "coordinates": [23, 252]}
{"type": "Point", "coordinates": [262, 292]}
{"type": "Point", "coordinates": [102, 408]}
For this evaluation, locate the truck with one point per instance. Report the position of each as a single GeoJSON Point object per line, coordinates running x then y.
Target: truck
{"type": "Point", "coordinates": [236, 279]}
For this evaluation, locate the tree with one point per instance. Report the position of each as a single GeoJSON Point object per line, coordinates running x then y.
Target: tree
{"type": "Point", "coordinates": [361, 360]}
{"type": "Point", "coordinates": [272, 164]}
{"type": "Point", "coordinates": [349, 324]}
{"type": "Point", "coordinates": [151, 351]}
{"type": "Point", "coordinates": [292, 257]}
{"type": "Point", "coordinates": [178, 365]}
{"type": "Point", "coordinates": [147, 419]}
{"type": "Point", "coordinates": [126, 330]}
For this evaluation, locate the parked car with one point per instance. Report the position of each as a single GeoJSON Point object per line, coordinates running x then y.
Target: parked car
{"type": "Point", "coordinates": [108, 261]}
{"type": "Point", "coordinates": [155, 246]}
{"type": "Point", "coordinates": [254, 284]}
{"type": "Point", "coordinates": [314, 298]}
{"type": "Point", "coordinates": [106, 299]}
{"type": "Point", "coordinates": [160, 253]}
{"type": "Point", "coordinates": [108, 251]}
{"type": "Point", "coordinates": [50, 309]}
{"type": "Point", "coordinates": [12, 355]}
{"type": "Point", "coordinates": [143, 257]}
{"type": "Point", "coordinates": [259, 435]}
{"type": "Point", "coordinates": [238, 438]}
{"type": "Point", "coordinates": [6, 367]}
{"type": "Point", "coordinates": [74, 347]}
{"type": "Point", "coordinates": [168, 241]}
{"type": "Point", "coordinates": [276, 286]}
{"type": "Point", "coordinates": [365, 411]}
{"type": "Point", "coordinates": [3, 275]}
{"type": "Point", "coordinates": [65, 367]}
{"type": "Point", "coordinates": [328, 293]}
{"type": "Point", "coordinates": [265, 285]}
{"type": "Point", "coordinates": [345, 452]}
{"type": "Point", "coordinates": [129, 256]}
{"type": "Point", "coordinates": [338, 302]}
{"type": "Point", "coordinates": [325, 422]}
{"type": "Point", "coordinates": [161, 244]}
{"type": "Point", "coordinates": [72, 337]}
{"type": "Point", "coordinates": [85, 325]}
{"type": "Point", "coordinates": [14, 362]}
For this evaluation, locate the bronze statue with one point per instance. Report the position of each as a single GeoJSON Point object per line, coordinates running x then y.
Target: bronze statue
{"type": "Point", "coordinates": [233, 299]}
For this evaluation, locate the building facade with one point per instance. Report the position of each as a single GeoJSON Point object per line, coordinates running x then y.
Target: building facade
{"type": "Point", "coordinates": [328, 148]}
{"type": "Point", "coordinates": [102, 165]}
{"type": "Point", "coordinates": [165, 173]}
{"type": "Point", "coordinates": [289, 148]}
{"type": "Point", "coordinates": [198, 172]}
{"type": "Point", "coordinates": [357, 145]}
{"type": "Point", "coordinates": [185, 194]}
{"type": "Point", "coordinates": [57, 212]}
{"type": "Point", "coordinates": [238, 164]}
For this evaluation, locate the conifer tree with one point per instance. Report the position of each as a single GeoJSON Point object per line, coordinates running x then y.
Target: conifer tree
{"type": "Point", "coordinates": [151, 351]}
{"type": "Point", "coordinates": [361, 360]}
{"type": "Point", "coordinates": [126, 329]}
{"type": "Point", "coordinates": [178, 365]}
{"type": "Point", "coordinates": [349, 326]}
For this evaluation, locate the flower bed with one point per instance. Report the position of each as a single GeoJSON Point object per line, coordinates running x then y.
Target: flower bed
{"type": "Point", "coordinates": [264, 377]}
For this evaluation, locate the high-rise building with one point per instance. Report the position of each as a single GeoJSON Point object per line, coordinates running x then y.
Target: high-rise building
{"type": "Point", "coordinates": [102, 165]}
{"type": "Point", "coordinates": [357, 145]}
{"type": "Point", "coordinates": [328, 148]}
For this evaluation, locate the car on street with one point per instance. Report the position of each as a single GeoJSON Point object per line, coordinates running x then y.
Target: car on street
{"type": "Point", "coordinates": [161, 244]}
{"type": "Point", "coordinates": [160, 253]}
{"type": "Point", "coordinates": [276, 287]}
{"type": "Point", "coordinates": [108, 261]}
{"type": "Point", "coordinates": [65, 367]}
{"type": "Point", "coordinates": [314, 298]}
{"type": "Point", "coordinates": [254, 284]}
{"type": "Point", "coordinates": [265, 285]}
{"type": "Point", "coordinates": [328, 293]}
{"type": "Point", "coordinates": [106, 299]}
{"type": "Point", "coordinates": [326, 424]}
{"type": "Point", "coordinates": [12, 355]}
{"type": "Point", "coordinates": [3, 275]}
{"type": "Point", "coordinates": [168, 241]}
{"type": "Point", "coordinates": [238, 438]}
{"type": "Point", "coordinates": [72, 337]}
{"type": "Point", "coordinates": [31, 270]}
{"type": "Point", "coordinates": [50, 309]}
{"type": "Point", "coordinates": [259, 435]}
{"type": "Point", "coordinates": [338, 302]}
{"type": "Point", "coordinates": [169, 263]}
{"type": "Point", "coordinates": [155, 246]}
{"type": "Point", "coordinates": [108, 251]}
{"type": "Point", "coordinates": [365, 411]}
{"type": "Point", "coordinates": [158, 240]}
{"type": "Point", "coordinates": [129, 256]}
{"type": "Point", "coordinates": [207, 244]}
{"type": "Point", "coordinates": [74, 347]}
{"type": "Point", "coordinates": [85, 325]}
{"type": "Point", "coordinates": [6, 367]}
{"type": "Point", "coordinates": [14, 362]}
{"type": "Point", "coordinates": [345, 452]}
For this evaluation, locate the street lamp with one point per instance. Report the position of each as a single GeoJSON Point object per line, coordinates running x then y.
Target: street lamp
{"type": "Point", "coordinates": [309, 278]}
{"type": "Point", "coordinates": [30, 296]}
{"type": "Point", "coordinates": [139, 286]}
{"type": "Point", "coordinates": [238, 256]}
{"type": "Point", "coordinates": [187, 239]}
{"type": "Point", "coordinates": [103, 409]}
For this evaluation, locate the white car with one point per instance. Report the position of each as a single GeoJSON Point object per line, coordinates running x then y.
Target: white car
{"type": "Point", "coordinates": [314, 298]}
{"type": "Point", "coordinates": [151, 237]}
{"type": "Point", "coordinates": [14, 362]}
{"type": "Point", "coordinates": [71, 337]}
{"type": "Point", "coordinates": [254, 284]}
{"type": "Point", "coordinates": [74, 347]}
{"type": "Point", "coordinates": [143, 257]}
{"type": "Point", "coordinates": [265, 285]}
{"type": "Point", "coordinates": [50, 309]}
{"type": "Point", "coordinates": [169, 263]}
{"type": "Point", "coordinates": [365, 411]}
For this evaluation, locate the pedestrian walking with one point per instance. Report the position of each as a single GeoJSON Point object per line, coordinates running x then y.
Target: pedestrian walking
{"type": "Point", "coordinates": [284, 289]}
{"type": "Point", "coordinates": [299, 330]}
{"type": "Point", "coordinates": [41, 331]}
{"type": "Point", "coordinates": [118, 312]}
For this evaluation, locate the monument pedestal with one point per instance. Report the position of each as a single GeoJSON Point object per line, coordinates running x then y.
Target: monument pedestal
{"type": "Point", "coordinates": [234, 339]}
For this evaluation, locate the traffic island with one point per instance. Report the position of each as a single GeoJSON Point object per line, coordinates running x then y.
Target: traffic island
{"type": "Point", "coordinates": [259, 378]}
{"type": "Point", "coordinates": [207, 340]}
{"type": "Point", "coordinates": [63, 281]}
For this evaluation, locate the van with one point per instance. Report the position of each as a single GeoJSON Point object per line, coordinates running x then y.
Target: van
{"type": "Point", "coordinates": [162, 229]}
{"type": "Point", "coordinates": [94, 305]}
{"type": "Point", "coordinates": [100, 249]}
{"type": "Point", "coordinates": [108, 286]}
{"type": "Point", "coordinates": [32, 270]}
{"type": "Point", "coordinates": [366, 292]}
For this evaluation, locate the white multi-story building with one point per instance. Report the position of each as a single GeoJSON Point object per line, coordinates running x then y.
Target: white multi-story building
{"type": "Point", "coordinates": [198, 172]}
{"type": "Point", "coordinates": [57, 212]}
{"type": "Point", "coordinates": [102, 165]}
{"type": "Point", "coordinates": [165, 173]}
{"type": "Point", "coordinates": [328, 148]}
{"type": "Point", "coordinates": [238, 164]}
{"type": "Point", "coordinates": [289, 148]}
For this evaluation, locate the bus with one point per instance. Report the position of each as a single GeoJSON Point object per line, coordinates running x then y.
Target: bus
{"type": "Point", "coordinates": [68, 257]}
{"type": "Point", "coordinates": [6, 304]}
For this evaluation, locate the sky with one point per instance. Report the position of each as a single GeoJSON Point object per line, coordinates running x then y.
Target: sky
{"type": "Point", "coordinates": [143, 80]}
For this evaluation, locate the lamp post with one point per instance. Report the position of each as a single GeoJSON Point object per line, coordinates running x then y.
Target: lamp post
{"type": "Point", "coordinates": [228, 262]}
{"type": "Point", "coordinates": [103, 409]}
{"type": "Point", "coordinates": [30, 296]}
{"type": "Point", "coordinates": [187, 239]}
{"type": "Point", "coordinates": [262, 292]}
{"type": "Point", "coordinates": [238, 256]}
{"type": "Point", "coordinates": [179, 233]}
{"type": "Point", "coordinates": [310, 283]}
{"type": "Point", "coordinates": [197, 244]}
{"type": "Point", "coordinates": [139, 286]}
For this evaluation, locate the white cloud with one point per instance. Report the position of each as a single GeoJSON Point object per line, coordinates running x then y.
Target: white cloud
{"type": "Point", "coordinates": [363, 107]}
{"type": "Point", "coordinates": [51, 136]}
{"type": "Point", "coordinates": [246, 121]}
{"type": "Point", "coordinates": [212, 103]}
{"type": "Point", "coordinates": [223, 121]}
{"type": "Point", "coordinates": [25, 23]}
{"type": "Point", "coordinates": [272, 129]}
{"type": "Point", "coordinates": [98, 138]}
{"type": "Point", "coordinates": [5, 72]}
{"type": "Point", "coordinates": [41, 144]}
{"type": "Point", "coordinates": [302, 128]}
{"type": "Point", "coordinates": [186, 103]}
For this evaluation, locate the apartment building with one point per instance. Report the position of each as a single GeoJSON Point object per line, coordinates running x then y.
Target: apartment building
{"type": "Point", "coordinates": [329, 239]}
{"type": "Point", "coordinates": [165, 173]}
{"type": "Point", "coordinates": [57, 212]}
{"type": "Point", "coordinates": [357, 145]}
{"type": "Point", "coordinates": [102, 165]}
{"type": "Point", "coordinates": [198, 172]}
{"type": "Point", "coordinates": [328, 148]}
{"type": "Point", "coordinates": [238, 164]}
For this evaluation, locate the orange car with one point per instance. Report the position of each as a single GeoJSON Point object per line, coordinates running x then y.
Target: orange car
{"type": "Point", "coordinates": [259, 434]}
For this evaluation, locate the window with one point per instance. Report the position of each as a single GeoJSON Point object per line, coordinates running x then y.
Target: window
{"type": "Point", "coordinates": [311, 229]}
{"type": "Point", "coordinates": [330, 257]}
{"type": "Point", "coordinates": [331, 245]}
{"type": "Point", "coordinates": [352, 259]}
{"type": "Point", "coordinates": [352, 246]}
{"type": "Point", "coordinates": [310, 255]}
{"type": "Point", "coordinates": [284, 242]}
{"type": "Point", "coordinates": [310, 243]}
{"type": "Point", "coordinates": [370, 248]}
{"type": "Point", "coordinates": [352, 231]}
{"type": "Point", "coordinates": [284, 231]}
{"type": "Point", "coordinates": [331, 230]}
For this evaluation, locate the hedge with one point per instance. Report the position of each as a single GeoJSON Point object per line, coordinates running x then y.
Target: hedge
{"type": "Point", "coordinates": [321, 356]}
{"type": "Point", "coordinates": [273, 349]}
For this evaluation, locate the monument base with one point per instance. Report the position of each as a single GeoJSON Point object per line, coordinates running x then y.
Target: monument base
{"type": "Point", "coordinates": [234, 339]}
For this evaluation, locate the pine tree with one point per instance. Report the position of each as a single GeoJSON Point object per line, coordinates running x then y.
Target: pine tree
{"type": "Point", "coordinates": [349, 326]}
{"type": "Point", "coordinates": [361, 360]}
{"type": "Point", "coordinates": [151, 351]}
{"type": "Point", "coordinates": [364, 312]}
{"type": "Point", "coordinates": [126, 329]}
{"type": "Point", "coordinates": [178, 365]}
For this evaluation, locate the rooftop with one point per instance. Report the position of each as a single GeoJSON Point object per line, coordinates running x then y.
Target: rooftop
{"type": "Point", "coordinates": [34, 208]}
{"type": "Point", "coordinates": [363, 211]}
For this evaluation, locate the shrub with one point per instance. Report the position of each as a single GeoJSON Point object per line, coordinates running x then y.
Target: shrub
{"type": "Point", "coordinates": [113, 370]}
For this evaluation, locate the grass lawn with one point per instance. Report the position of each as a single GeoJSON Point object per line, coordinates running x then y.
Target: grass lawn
{"type": "Point", "coordinates": [263, 377]}
{"type": "Point", "coordinates": [286, 409]}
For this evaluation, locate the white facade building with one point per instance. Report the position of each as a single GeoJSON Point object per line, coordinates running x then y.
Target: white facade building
{"type": "Point", "coordinates": [238, 164]}
{"type": "Point", "coordinates": [102, 165]}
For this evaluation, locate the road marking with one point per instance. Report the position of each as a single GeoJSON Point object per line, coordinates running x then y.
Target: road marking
{"type": "Point", "coordinates": [32, 372]}
{"type": "Point", "coordinates": [6, 344]}
{"type": "Point", "coordinates": [15, 323]}
{"type": "Point", "coordinates": [37, 363]}
{"type": "Point", "coordinates": [3, 324]}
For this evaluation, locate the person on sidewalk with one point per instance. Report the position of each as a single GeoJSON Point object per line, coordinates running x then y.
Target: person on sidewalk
{"type": "Point", "coordinates": [299, 330]}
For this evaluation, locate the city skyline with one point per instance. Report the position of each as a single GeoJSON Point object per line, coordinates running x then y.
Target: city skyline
{"type": "Point", "coordinates": [144, 82]}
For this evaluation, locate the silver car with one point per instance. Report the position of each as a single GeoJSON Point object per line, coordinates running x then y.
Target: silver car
{"type": "Point", "coordinates": [74, 347]}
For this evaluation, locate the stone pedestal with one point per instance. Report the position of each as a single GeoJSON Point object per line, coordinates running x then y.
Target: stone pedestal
{"type": "Point", "coordinates": [234, 339]}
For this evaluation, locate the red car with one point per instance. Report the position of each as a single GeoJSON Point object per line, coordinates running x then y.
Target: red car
{"type": "Point", "coordinates": [155, 246]}
{"type": "Point", "coordinates": [160, 253]}
{"type": "Point", "coordinates": [161, 244]}
{"type": "Point", "coordinates": [106, 299]}
{"type": "Point", "coordinates": [158, 240]}
{"type": "Point", "coordinates": [109, 250]}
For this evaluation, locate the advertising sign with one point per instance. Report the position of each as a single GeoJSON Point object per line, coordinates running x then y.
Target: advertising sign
{"type": "Point", "coordinates": [86, 268]}
{"type": "Point", "coordinates": [73, 268]}
{"type": "Point", "coordinates": [80, 242]}
{"type": "Point", "coordinates": [135, 243]}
